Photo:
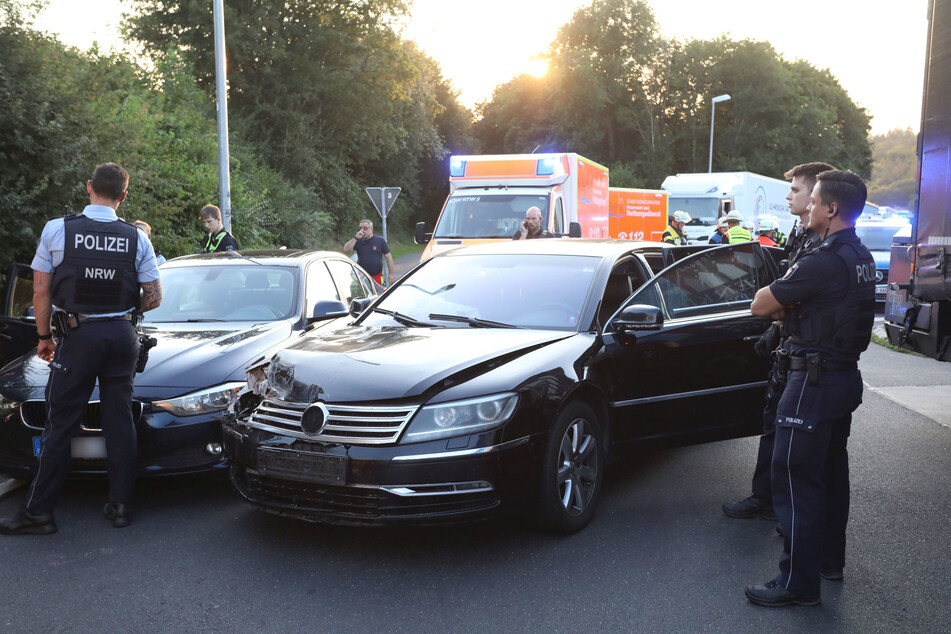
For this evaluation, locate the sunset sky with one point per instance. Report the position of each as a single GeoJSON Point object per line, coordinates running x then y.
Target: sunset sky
{"type": "Point", "coordinates": [874, 48]}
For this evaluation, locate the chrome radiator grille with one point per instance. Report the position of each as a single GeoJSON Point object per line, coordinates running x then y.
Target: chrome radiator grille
{"type": "Point", "coordinates": [350, 424]}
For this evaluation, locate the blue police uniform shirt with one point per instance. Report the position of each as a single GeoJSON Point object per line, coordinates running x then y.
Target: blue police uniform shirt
{"type": "Point", "coordinates": [49, 250]}
{"type": "Point", "coordinates": [821, 279]}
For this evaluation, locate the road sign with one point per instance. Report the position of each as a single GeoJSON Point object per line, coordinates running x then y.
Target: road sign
{"type": "Point", "coordinates": [383, 198]}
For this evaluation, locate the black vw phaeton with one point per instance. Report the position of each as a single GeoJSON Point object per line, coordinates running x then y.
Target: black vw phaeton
{"type": "Point", "coordinates": [505, 374]}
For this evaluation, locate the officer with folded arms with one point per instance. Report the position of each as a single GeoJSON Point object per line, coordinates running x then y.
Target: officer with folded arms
{"type": "Point", "coordinates": [88, 272]}
{"type": "Point", "coordinates": [827, 302]}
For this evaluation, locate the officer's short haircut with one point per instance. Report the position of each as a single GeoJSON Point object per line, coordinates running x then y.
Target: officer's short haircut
{"type": "Point", "coordinates": [369, 222]}
{"type": "Point", "coordinates": [110, 180]}
{"type": "Point", "coordinates": [141, 224]}
{"type": "Point", "coordinates": [210, 211]}
{"type": "Point", "coordinates": [808, 172]}
{"type": "Point", "coordinates": [844, 188]}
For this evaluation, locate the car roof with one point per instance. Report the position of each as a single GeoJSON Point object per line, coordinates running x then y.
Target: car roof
{"type": "Point", "coordinates": [557, 246]}
{"type": "Point", "coordinates": [285, 257]}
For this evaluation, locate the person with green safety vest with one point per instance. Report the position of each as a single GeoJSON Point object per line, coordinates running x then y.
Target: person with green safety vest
{"type": "Point", "coordinates": [736, 233]}
{"type": "Point", "coordinates": [674, 233]}
{"type": "Point", "coordinates": [218, 239]}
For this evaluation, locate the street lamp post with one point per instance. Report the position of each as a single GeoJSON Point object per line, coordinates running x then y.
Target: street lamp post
{"type": "Point", "coordinates": [713, 114]}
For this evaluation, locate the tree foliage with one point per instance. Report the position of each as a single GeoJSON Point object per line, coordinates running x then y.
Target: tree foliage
{"type": "Point", "coordinates": [332, 98]}
{"type": "Point", "coordinates": [893, 183]}
{"type": "Point", "coordinates": [624, 96]}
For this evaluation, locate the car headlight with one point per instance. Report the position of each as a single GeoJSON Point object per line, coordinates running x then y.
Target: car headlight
{"type": "Point", "coordinates": [213, 399]}
{"type": "Point", "coordinates": [461, 417]}
{"type": "Point", "coordinates": [7, 406]}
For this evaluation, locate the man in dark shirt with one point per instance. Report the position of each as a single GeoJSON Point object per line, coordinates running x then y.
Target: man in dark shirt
{"type": "Point", "coordinates": [827, 303]}
{"type": "Point", "coordinates": [218, 239]}
{"type": "Point", "coordinates": [531, 227]}
{"type": "Point", "coordinates": [371, 250]}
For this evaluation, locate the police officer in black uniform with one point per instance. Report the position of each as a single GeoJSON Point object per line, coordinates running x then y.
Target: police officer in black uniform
{"type": "Point", "coordinates": [89, 269]}
{"type": "Point", "coordinates": [830, 295]}
{"type": "Point", "coordinates": [760, 504]}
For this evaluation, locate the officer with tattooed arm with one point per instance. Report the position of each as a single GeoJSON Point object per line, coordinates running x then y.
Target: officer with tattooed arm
{"type": "Point", "coordinates": [89, 270]}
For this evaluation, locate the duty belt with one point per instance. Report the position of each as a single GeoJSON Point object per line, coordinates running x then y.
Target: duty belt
{"type": "Point", "coordinates": [799, 363]}
{"type": "Point", "coordinates": [87, 318]}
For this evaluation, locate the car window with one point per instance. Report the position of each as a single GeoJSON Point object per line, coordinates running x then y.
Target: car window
{"type": "Point", "coordinates": [347, 280]}
{"type": "Point", "coordinates": [559, 219]}
{"type": "Point", "coordinates": [625, 277]}
{"type": "Point", "coordinates": [320, 286]}
{"type": "Point", "coordinates": [713, 281]}
{"type": "Point", "coordinates": [226, 293]}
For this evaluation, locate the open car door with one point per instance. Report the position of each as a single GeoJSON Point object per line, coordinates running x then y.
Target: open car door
{"type": "Point", "coordinates": [17, 324]}
{"type": "Point", "coordinates": [693, 369]}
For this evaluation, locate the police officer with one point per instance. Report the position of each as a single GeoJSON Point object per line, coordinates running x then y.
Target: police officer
{"type": "Point", "coordinates": [830, 295]}
{"type": "Point", "coordinates": [760, 504]}
{"type": "Point", "coordinates": [89, 269]}
{"type": "Point", "coordinates": [736, 233]}
{"type": "Point", "coordinates": [674, 233]}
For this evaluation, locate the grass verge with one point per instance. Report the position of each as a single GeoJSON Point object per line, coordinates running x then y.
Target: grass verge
{"type": "Point", "coordinates": [399, 250]}
{"type": "Point", "coordinates": [883, 341]}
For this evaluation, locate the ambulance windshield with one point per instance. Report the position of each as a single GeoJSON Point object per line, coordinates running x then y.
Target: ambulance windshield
{"type": "Point", "coordinates": [488, 215]}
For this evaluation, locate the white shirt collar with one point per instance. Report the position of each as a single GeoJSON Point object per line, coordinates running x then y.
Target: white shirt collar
{"type": "Point", "coordinates": [100, 213]}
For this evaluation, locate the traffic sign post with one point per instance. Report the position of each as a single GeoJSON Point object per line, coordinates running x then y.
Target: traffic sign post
{"type": "Point", "coordinates": [383, 199]}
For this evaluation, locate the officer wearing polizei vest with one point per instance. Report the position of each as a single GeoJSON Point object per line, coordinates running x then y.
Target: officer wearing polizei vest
{"type": "Point", "coordinates": [737, 233]}
{"type": "Point", "coordinates": [827, 301]}
{"type": "Point", "coordinates": [674, 233]}
{"type": "Point", "coordinates": [89, 269]}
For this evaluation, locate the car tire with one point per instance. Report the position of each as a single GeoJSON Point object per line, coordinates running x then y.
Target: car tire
{"type": "Point", "coordinates": [572, 470]}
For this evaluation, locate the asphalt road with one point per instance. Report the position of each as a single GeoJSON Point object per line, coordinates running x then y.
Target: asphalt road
{"type": "Point", "coordinates": [659, 556]}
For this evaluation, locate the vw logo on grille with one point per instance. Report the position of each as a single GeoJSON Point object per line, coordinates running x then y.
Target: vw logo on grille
{"type": "Point", "coordinates": [314, 419]}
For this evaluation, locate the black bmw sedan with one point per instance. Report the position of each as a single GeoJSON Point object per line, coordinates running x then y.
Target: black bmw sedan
{"type": "Point", "coordinates": [221, 314]}
{"type": "Point", "coordinates": [505, 374]}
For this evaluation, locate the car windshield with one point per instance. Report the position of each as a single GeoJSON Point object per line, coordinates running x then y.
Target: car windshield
{"type": "Point", "coordinates": [877, 237]}
{"type": "Point", "coordinates": [198, 293]}
{"type": "Point", "coordinates": [491, 291]}
{"type": "Point", "coordinates": [703, 211]}
{"type": "Point", "coordinates": [488, 215]}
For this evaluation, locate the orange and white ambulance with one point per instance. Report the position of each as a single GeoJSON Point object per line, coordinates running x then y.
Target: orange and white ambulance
{"type": "Point", "coordinates": [489, 195]}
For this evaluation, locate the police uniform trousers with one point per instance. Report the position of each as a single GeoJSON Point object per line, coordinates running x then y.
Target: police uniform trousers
{"type": "Point", "coordinates": [811, 475]}
{"type": "Point", "coordinates": [98, 349]}
{"type": "Point", "coordinates": [763, 471]}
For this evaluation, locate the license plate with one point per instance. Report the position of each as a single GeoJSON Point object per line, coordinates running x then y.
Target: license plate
{"type": "Point", "coordinates": [880, 289]}
{"type": "Point", "coordinates": [303, 465]}
{"type": "Point", "coordinates": [88, 447]}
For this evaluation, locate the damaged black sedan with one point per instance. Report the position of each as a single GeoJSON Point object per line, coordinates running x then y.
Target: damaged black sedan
{"type": "Point", "coordinates": [505, 375]}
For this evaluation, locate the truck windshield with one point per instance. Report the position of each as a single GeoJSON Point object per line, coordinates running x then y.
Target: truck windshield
{"type": "Point", "coordinates": [488, 215]}
{"type": "Point", "coordinates": [703, 211]}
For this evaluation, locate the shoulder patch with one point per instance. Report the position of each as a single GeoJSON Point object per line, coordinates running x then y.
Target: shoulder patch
{"type": "Point", "coordinates": [792, 269]}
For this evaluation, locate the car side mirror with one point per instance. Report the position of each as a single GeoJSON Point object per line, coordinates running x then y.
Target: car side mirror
{"type": "Point", "coordinates": [574, 229]}
{"type": "Point", "coordinates": [329, 309]}
{"type": "Point", "coordinates": [420, 236]}
{"type": "Point", "coordinates": [638, 317]}
{"type": "Point", "coordinates": [358, 306]}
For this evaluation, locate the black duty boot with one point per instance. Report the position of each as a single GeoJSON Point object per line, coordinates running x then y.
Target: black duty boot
{"type": "Point", "coordinates": [26, 523]}
{"type": "Point", "coordinates": [748, 508]}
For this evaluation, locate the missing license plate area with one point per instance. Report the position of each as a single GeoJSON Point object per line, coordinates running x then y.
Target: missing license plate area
{"type": "Point", "coordinates": [88, 447]}
{"type": "Point", "coordinates": [303, 465]}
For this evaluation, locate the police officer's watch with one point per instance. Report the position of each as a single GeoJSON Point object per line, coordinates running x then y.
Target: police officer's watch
{"type": "Point", "coordinates": [44, 337]}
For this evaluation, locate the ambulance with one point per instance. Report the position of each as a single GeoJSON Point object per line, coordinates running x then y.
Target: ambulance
{"type": "Point", "coordinates": [489, 195]}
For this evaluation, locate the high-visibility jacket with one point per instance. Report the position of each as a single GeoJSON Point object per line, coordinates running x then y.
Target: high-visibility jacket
{"type": "Point", "coordinates": [673, 236]}
{"type": "Point", "coordinates": [739, 234]}
{"type": "Point", "coordinates": [766, 241]}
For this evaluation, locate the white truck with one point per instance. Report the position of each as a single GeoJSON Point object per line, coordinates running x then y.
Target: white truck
{"type": "Point", "coordinates": [706, 197]}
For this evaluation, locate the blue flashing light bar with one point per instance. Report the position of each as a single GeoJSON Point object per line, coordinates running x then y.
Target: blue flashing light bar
{"type": "Point", "coordinates": [457, 167]}
{"type": "Point", "coordinates": [545, 167]}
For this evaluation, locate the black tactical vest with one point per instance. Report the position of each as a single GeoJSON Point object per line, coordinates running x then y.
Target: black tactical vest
{"type": "Point", "coordinates": [846, 327]}
{"type": "Point", "coordinates": [98, 273]}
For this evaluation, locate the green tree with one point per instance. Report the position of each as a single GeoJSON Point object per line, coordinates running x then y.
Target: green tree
{"type": "Point", "coordinates": [895, 159]}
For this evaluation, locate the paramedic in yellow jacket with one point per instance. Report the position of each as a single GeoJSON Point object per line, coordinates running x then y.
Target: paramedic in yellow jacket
{"type": "Point", "coordinates": [674, 233]}
{"type": "Point", "coordinates": [737, 233]}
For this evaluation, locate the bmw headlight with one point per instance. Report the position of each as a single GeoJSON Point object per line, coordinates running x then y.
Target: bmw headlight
{"type": "Point", "coordinates": [212, 399]}
{"type": "Point", "coordinates": [458, 418]}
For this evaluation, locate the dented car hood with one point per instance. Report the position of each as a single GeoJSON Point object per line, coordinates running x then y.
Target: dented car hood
{"type": "Point", "coordinates": [387, 363]}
